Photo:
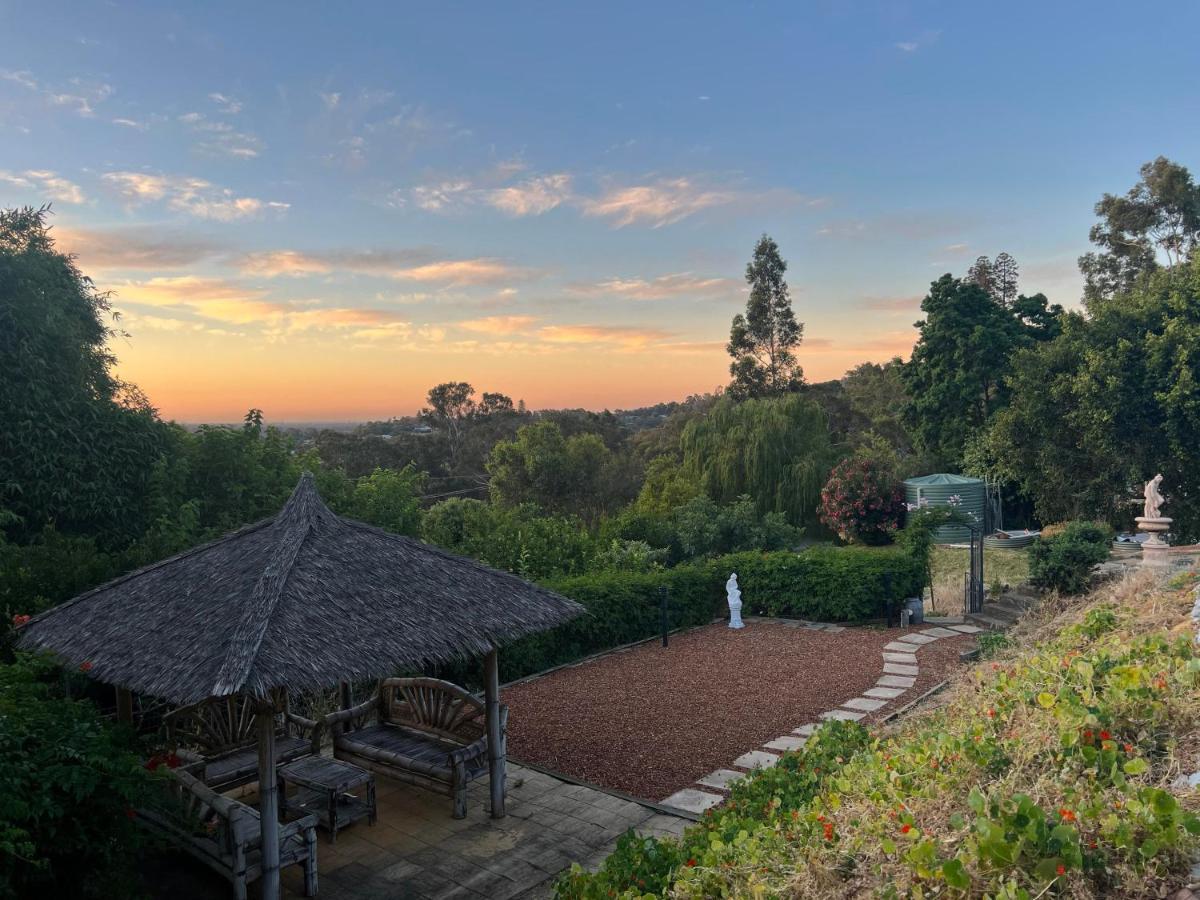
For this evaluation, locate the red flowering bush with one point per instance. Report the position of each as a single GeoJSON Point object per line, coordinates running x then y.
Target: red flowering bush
{"type": "Point", "coordinates": [862, 502]}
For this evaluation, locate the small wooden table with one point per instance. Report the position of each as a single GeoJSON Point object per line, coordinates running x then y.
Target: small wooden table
{"type": "Point", "coordinates": [325, 788]}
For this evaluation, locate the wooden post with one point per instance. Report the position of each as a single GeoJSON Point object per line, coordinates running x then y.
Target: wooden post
{"type": "Point", "coordinates": [347, 701]}
{"type": "Point", "coordinates": [496, 767]}
{"type": "Point", "coordinates": [124, 706]}
{"type": "Point", "coordinates": [268, 804]}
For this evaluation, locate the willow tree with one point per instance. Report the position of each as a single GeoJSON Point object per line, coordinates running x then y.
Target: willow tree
{"type": "Point", "coordinates": [775, 449]}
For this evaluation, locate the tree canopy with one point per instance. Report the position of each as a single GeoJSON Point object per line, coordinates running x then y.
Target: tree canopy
{"type": "Point", "coordinates": [763, 341]}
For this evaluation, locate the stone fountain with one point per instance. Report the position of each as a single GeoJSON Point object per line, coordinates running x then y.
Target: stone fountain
{"type": "Point", "coordinates": [1154, 525]}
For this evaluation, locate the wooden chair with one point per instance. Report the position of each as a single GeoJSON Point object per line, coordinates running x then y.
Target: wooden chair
{"type": "Point", "coordinates": [224, 833]}
{"type": "Point", "coordinates": [218, 740]}
{"type": "Point", "coordinates": [426, 732]}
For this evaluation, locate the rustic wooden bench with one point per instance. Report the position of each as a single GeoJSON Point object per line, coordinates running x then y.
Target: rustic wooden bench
{"type": "Point", "coordinates": [225, 834]}
{"type": "Point", "coordinates": [426, 732]}
{"type": "Point", "coordinates": [217, 738]}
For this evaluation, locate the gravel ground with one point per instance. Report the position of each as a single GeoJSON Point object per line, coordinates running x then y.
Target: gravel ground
{"type": "Point", "coordinates": [650, 721]}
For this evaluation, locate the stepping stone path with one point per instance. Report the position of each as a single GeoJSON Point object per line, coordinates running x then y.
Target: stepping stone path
{"type": "Point", "coordinates": [899, 675]}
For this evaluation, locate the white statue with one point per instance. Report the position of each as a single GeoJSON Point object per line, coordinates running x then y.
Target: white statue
{"type": "Point", "coordinates": [1154, 499]}
{"type": "Point", "coordinates": [735, 602]}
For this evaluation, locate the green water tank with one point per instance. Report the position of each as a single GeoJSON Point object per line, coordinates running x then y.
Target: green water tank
{"type": "Point", "coordinates": [936, 490]}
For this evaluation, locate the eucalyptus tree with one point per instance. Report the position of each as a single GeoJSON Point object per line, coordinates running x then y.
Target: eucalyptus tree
{"type": "Point", "coordinates": [763, 341]}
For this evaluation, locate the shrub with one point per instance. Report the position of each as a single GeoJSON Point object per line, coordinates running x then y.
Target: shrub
{"type": "Point", "coordinates": [1064, 562]}
{"type": "Point", "coordinates": [831, 584]}
{"type": "Point", "coordinates": [622, 607]}
{"type": "Point", "coordinates": [862, 502]}
{"type": "Point", "coordinates": [68, 786]}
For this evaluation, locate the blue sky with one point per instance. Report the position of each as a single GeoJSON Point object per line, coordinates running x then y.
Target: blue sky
{"type": "Point", "coordinates": [322, 210]}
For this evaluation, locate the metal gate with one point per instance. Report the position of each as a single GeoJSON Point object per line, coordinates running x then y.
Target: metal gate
{"type": "Point", "coordinates": [973, 579]}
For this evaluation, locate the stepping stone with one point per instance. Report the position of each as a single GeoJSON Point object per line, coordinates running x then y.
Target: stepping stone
{"type": "Point", "coordinates": [805, 730]}
{"type": "Point", "coordinates": [965, 629]}
{"type": "Point", "coordinates": [866, 704]}
{"type": "Point", "coordinates": [787, 742]}
{"type": "Point", "coordinates": [918, 638]}
{"type": "Point", "coordinates": [900, 681]}
{"type": "Point", "coordinates": [692, 800]}
{"type": "Point", "coordinates": [756, 759]}
{"type": "Point", "coordinates": [899, 647]}
{"type": "Point", "coordinates": [884, 693]}
{"type": "Point", "coordinates": [940, 632]}
{"type": "Point", "coordinates": [843, 715]}
{"type": "Point", "coordinates": [720, 779]}
{"type": "Point", "coordinates": [904, 659]}
{"type": "Point", "coordinates": [897, 669]}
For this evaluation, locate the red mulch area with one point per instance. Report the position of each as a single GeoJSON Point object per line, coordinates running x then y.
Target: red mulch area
{"type": "Point", "coordinates": [649, 721]}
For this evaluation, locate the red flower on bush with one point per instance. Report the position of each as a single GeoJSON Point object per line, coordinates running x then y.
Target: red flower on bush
{"type": "Point", "coordinates": [862, 502]}
{"type": "Point", "coordinates": [85, 666]}
{"type": "Point", "coordinates": [1061, 870]}
{"type": "Point", "coordinates": [19, 620]}
{"type": "Point", "coordinates": [905, 828]}
{"type": "Point", "coordinates": [690, 863]}
{"type": "Point", "coordinates": [1067, 815]}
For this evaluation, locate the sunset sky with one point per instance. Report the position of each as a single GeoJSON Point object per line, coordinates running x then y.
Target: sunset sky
{"type": "Point", "coordinates": [322, 210]}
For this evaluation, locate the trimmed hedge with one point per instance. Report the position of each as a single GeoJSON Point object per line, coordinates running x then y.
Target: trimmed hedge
{"type": "Point", "coordinates": [622, 607]}
{"type": "Point", "coordinates": [827, 584]}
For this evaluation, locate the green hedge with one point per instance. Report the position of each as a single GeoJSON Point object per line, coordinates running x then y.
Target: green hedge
{"type": "Point", "coordinates": [826, 584]}
{"type": "Point", "coordinates": [621, 607]}
{"type": "Point", "coordinates": [1064, 562]}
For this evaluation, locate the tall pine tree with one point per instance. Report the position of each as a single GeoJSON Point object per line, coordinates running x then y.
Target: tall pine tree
{"type": "Point", "coordinates": [763, 341]}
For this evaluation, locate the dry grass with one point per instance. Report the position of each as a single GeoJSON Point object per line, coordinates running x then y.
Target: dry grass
{"type": "Point", "coordinates": [1001, 569]}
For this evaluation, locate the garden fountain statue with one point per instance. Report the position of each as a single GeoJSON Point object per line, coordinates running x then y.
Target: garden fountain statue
{"type": "Point", "coordinates": [1153, 523]}
{"type": "Point", "coordinates": [735, 602]}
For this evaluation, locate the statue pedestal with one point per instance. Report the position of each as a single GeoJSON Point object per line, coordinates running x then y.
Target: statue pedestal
{"type": "Point", "coordinates": [1154, 548]}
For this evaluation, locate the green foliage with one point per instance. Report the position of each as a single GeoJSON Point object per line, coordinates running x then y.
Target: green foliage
{"type": "Point", "coordinates": [576, 475]}
{"type": "Point", "coordinates": [1124, 384]}
{"type": "Point", "coordinates": [521, 539]}
{"type": "Point", "coordinates": [862, 502]}
{"type": "Point", "coordinates": [629, 556]}
{"type": "Point", "coordinates": [68, 785]}
{"type": "Point", "coordinates": [956, 376]}
{"type": "Point", "coordinates": [703, 529]}
{"type": "Point", "coordinates": [1064, 562]}
{"type": "Point", "coordinates": [1159, 215]}
{"type": "Point", "coordinates": [776, 450]}
{"type": "Point", "coordinates": [390, 499]}
{"type": "Point", "coordinates": [827, 584]}
{"type": "Point", "coordinates": [621, 607]}
{"type": "Point", "coordinates": [767, 804]}
{"type": "Point", "coordinates": [763, 342]}
{"type": "Point", "coordinates": [77, 446]}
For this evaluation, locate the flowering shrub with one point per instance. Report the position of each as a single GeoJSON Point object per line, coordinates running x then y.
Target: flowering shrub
{"type": "Point", "coordinates": [861, 502]}
{"type": "Point", "coordinates": [1047, 773]}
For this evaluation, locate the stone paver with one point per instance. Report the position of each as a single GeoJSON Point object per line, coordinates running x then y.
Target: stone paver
{"type": "Point", "coordinates": [940, 632]}
{"type": "Point", "coordinates": [721, 778]}
{"type": "Point", "coordinates": [843, 715]}
{"type": "Point", "coordinates": [899, 647]}
{"type": "Point", "coordinates": [904, 659]}
{"type": "Point", "coordinates": [693, 800]}
{"type": "Point", "coordinates": [897, 669]}
{"type": "Point", "coordinates": [805, 730]}
{"type": "Point", "coordinates": [884, 693]}
{"type": "Point", "coordinates": [918, 639]}
{"type": "Point", "coordinates": [965, 629]}
{"type": "Point", "coordinates": [900, 681]}
{"type": "Point", "coordinates": [866, 704]}
{"type": "Point", "coordinates": [756, 759]}
{"type": "Point", "coordinates": [787, 742]}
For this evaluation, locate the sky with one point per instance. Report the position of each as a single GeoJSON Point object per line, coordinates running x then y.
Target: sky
{"type": "Point", "coordinates": [321, 210]}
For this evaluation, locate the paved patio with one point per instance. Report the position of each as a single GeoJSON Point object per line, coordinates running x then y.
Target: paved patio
{"type": "Point", "coordinates": [417, 850]}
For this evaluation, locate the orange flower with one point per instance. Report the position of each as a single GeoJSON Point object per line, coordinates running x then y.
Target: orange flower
{"type": "Point", "coordinates": [1104, 736]}
{"type": "Point", "coordinates": [905, 828]}
{"type": "Point", "coordinates": [1067, 815]}
{"type": "Point", "coordinates": [1061, 870]}
{"type": "Point", "coordinates": [85, 666]}
{"type": "Point", "coordinates": [690, 863]}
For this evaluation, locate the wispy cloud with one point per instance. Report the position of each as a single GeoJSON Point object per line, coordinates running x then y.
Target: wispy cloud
{"type": "Point", "coordinates": [416, 264]}
{"type": "Point", "coordinates": [681, 284]}
{"type": "Point", "coordinates": [80, 95]}
{"type": "Point", "coordinates": [116, 249]}
{"type": "Point", "coordinates": [130, 123]}
{"type": "Point", "coordinates": [47, 184]}
{"type": "Point", "coordinates": [891, 304]}
{"type": "Point", "coordinates": [499, 324]}
{"type": "Point", "coordinates": [23, 77]}
{"type": "Point", "coordinates": [193, 196]}
{"type": "Point", "coordinates": [663, 202]}
{"type": "Point", "coordinates": [220, 138]}
{"type": "Point", "coordinates": [627, 337]}
{"type": "Point", "coordinates": [531, 197]}
{"type": "Point", "coordinates": [924, 39]}
{"type": "Point", "coordinates": [226, 104]}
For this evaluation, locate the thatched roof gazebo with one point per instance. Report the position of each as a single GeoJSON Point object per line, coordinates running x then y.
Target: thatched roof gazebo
{"type": "Point", "coordinates": [302, 601]}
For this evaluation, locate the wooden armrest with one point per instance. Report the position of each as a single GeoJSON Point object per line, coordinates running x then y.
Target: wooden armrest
{"type": "Point", "coordinates": [299, 825]}
{"type": "Point", "coordinates": [313, 729]}
{"type": "Point", "coordinates": [474, 750]}
{"type": "Point", "coordinates": [354, 712]}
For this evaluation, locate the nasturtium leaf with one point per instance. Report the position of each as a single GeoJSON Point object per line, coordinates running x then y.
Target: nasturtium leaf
{"type": "Point", "coordinates": [956, 876]}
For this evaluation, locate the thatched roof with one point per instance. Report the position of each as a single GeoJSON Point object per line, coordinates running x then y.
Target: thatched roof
{"type": "Point", "coordinates": [302, 600]}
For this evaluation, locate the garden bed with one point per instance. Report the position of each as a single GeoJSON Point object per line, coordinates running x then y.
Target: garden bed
{"type": "Point", "coordinates": [649, 721]}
